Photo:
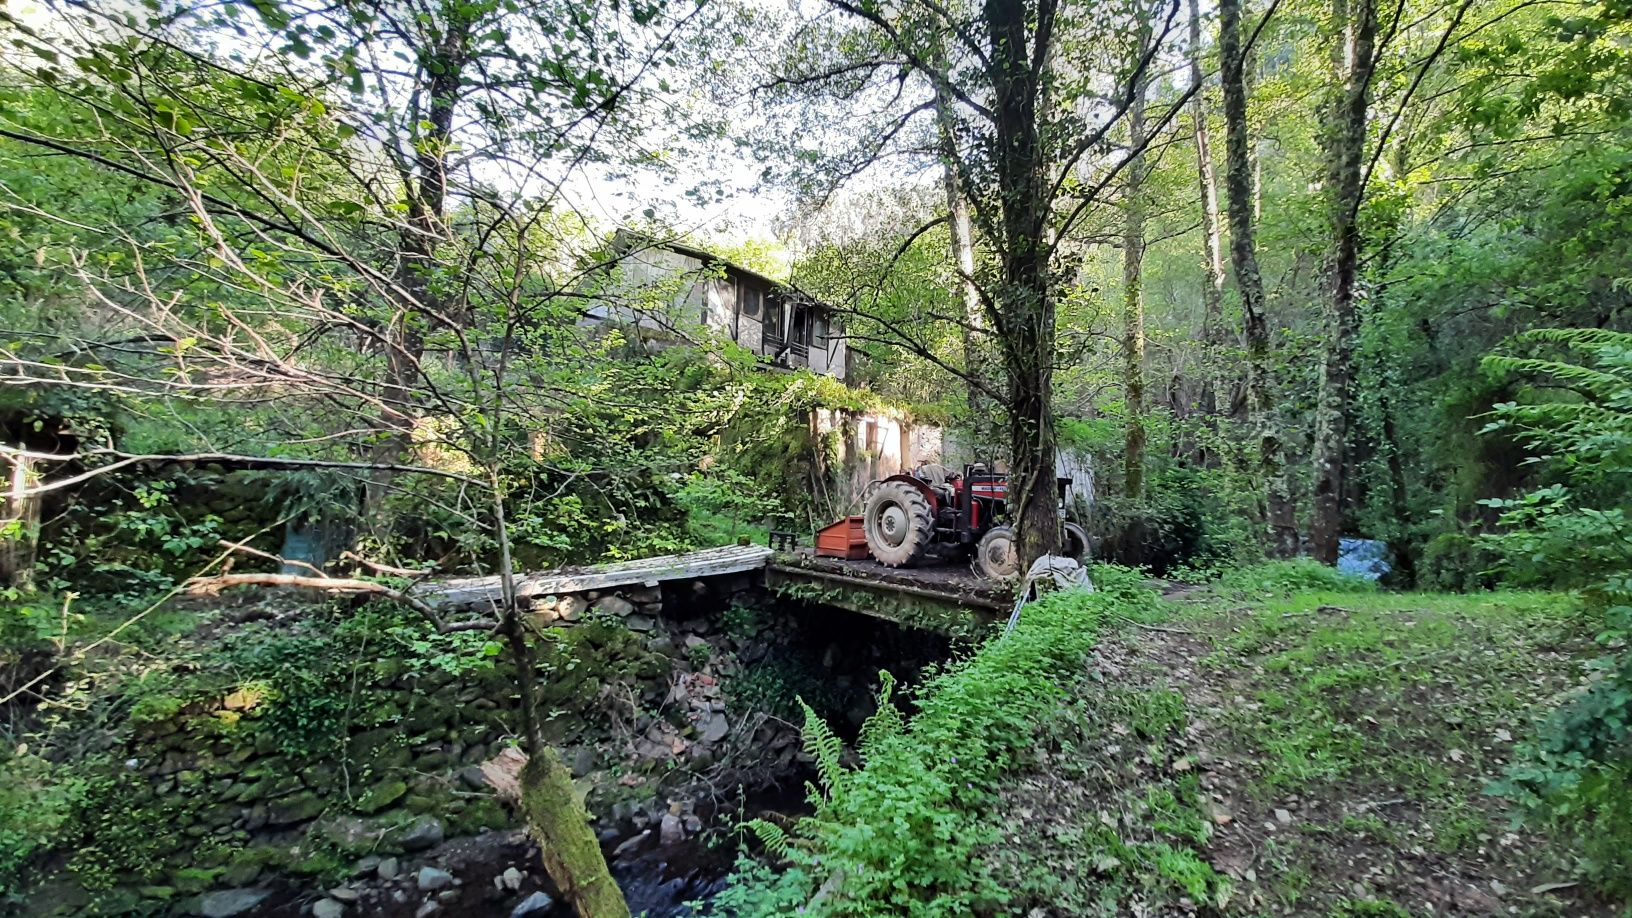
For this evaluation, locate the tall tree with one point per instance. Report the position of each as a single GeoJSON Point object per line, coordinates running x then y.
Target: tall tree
{"type": "Point", "coordinates": [1344, 141]}
{"type": "Point", "coordinates": [1134, 206]}
{"type": "Point", "coordinates": [961, 234]}
{"type": "Point", "coordinates": [1238, 182]}
{"type": "Point", "coordinates": [1035, 92]}
{"type": "Point", "coordinates": [1212, 245]}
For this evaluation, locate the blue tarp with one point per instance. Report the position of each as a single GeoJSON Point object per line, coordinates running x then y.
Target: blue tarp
{"type": "Point", "coordinates": [1366, 558]}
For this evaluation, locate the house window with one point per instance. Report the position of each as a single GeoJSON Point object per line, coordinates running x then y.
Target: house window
{"type": "Point", "coordinates": [818, 330]}
{"type": "Point", "coordinates": [773, 319]}
{"type": "Point", "coordinates": [750, 299]}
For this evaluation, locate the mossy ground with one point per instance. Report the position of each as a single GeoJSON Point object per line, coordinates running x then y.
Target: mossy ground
{"type": "Point", "coordinates": [1337, 748]}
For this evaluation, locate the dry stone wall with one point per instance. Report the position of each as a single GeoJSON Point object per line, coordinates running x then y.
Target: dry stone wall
{"type": "Point", "coordinates": [661, 699]}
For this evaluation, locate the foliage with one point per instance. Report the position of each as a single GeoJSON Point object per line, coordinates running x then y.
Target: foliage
{"type": "Point", "coordinates": [1573, 531]}
{"type": "Point", "coordinates": [37, 801]}
{"type": "Point", "coordinates": [899, 834]}
{"type": "Point", "coordinates": [1283, 578]}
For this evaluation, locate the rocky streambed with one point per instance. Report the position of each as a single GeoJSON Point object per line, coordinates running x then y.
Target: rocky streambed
{"type": "Point", "coordinates": [673, 707]}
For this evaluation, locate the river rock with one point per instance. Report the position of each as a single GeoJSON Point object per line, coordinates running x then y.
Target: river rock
{"type": "Point", "coordinates": [298, 808]}
{"type": "Point", "coordinates": [641, 623]}
{"type": "Point", "coordinates": [387, 869]}
{"type": "Point", "coordinates": [431, 879]}
{"type": "Point", "coordinates": [716, 728]}
{"type": "Point", "coordinates": [535, 904]}
{"type": "Point", "coordinates": [510, 879]}
{"type": "Point", "coordinates": [343, 894]}
{"type": "Point", "coordinates": [424, 832]}
{"type": "Point", "coordinates": [645, 594]}
{"type": "Point", "coordinates": [328, 908]}
{"type": "Point", "coordinates": [671, 831]}
{"type": "Point", "coordinates": [426, 908]}
{"type": "Point", "coordinates": [632, 845]}
{"type": "Point", "coordinates": [571, 608]}
{"type": "Point", "coordinates": [614, 605]}
{"type": "Point", "coordinates": [226, 903]}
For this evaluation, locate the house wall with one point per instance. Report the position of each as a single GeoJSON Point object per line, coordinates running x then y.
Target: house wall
{"type": "Point", "coordinates": [863, 447]}
{"type": "Point", "coordinates": [663, 289]}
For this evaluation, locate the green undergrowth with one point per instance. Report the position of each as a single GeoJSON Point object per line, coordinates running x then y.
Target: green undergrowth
{"type": "Point", "coordinates": [1364, 728]}
{"type": "Point", "coordinates": [916, 827]}
{"type": "Point", "coordinates": [1384, 686]}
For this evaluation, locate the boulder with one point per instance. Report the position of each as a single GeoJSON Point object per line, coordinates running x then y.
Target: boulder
{"type": "Point", "coordinates": [535, 904]}
{"type": "Point", "coordinates": [640, 623]}
{"type": "Point", "coordinates": [473, 777]}
{"type": "Point", "coordinates": [424, 832]}
{"type": "Point", "coordinates": [431, 879]}
{"type": "Point", "coordinates": [328, 908]}
{"type": "Point", "coordinates": [614, 605]}
{"type": "Point", "coordinates": [671, 831]}
{"type": "Point", "coordinates": [387, 869]}
{"type": "Point", "coordinates": [633, 845]}
{"type": "Point", "coordinates": [297, 808]}
{"type": "Point", "coordinates": [716, 728]}
{"type": "Point", "coordinates": [226, 903]}
{"type": "Point", "coordinates": [381, 796]}
{"type": "Point", "coordinates": [571, 608]}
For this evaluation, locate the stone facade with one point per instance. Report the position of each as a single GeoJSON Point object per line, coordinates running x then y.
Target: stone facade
{"type": "Point", "coordinates": [656, 699]}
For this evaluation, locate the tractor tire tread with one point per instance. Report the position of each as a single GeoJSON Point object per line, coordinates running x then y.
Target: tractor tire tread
{"type": "Point", "coordinates": [919, 535]}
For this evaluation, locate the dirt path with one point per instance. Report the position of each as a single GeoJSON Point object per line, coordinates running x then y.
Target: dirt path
{"type": "Point", "coordinates": [1343, 746]}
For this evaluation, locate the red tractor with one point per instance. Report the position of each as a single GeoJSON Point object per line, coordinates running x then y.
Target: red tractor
{"type": "Point", "coordinates": [905, 515]}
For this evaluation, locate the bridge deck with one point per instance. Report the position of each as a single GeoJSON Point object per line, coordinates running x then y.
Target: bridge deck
{"type": "Point", "coordinates": [948, 598]}
{"type": "Point", "coordinates": [710, 562]}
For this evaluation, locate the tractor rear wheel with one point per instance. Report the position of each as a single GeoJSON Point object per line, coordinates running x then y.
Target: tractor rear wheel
{"type": "Point", "coordinates": [996, 554]}
{"type": "Point", "coordinates": [898, 523]}
{"type": "Point", "coordinates": [1074, 542]}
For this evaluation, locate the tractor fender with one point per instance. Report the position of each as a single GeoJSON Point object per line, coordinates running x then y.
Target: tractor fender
{"type": "Point", "coordinates": [924, 489]}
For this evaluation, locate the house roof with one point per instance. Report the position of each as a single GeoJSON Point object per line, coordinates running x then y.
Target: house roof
{"type": "Point", "coordinates": [625, 240]}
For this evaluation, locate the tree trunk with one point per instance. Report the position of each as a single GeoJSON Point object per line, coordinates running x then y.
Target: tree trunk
{"type": "Point", "coordinates": [1026, 311]}
{"type": "Point", "coordinates": [1238, 180]}
{"type": "Point", "coordinates": [1133, 302]}
{"type": "Point", "coordinates": [1345, 142]}
{"type": "Point", "coordinates": [425, 195]}
{"type": "Point", "coordinates": [549, 803]}
{"type": "Point", "coordinates": [963, 260]}
{"type": "Point", "coordinates": [1212, 246]}
{"type": "Point", "coordinates": [20, 539]}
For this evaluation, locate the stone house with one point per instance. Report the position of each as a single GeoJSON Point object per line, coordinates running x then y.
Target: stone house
{"type": "Point", "coordinates": [667, 288]}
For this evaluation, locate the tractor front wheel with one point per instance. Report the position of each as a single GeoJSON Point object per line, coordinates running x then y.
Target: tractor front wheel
{"type": "Point", "coordinates": [996, 554]}
{"type": "Point", "coordinates": [898, 523]}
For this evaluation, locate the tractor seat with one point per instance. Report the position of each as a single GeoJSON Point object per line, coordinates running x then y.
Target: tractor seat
{"type": "Point", "coordinates": [933, 474]}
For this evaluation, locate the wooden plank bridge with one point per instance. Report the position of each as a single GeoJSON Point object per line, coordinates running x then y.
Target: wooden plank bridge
{"type": "Point", "coordinates": [947, 598]}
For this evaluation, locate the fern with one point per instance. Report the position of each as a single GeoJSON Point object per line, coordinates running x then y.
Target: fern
{"type": "Point", "coordinates": [886, 722]}
{"type": "Point", "coordinates": [825, 747]}
{"type": "Point", "coordinates": [772, 836]}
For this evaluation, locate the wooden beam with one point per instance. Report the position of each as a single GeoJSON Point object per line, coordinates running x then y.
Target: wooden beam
{"type": "Point", "coordinates": [710, 562]}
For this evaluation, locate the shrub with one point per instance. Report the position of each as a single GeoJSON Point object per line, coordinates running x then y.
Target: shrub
{"type": "Point", "coordinates": [1298, 575]}
{"type": "Point", "coordinates": [1457, 562]}
{"type": "Point", "coordinates": [1187, 517]}
{"type": "Point", "coordinates": [37, 804]}
{"type": "Point", "coordinates": [1573, 777]}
